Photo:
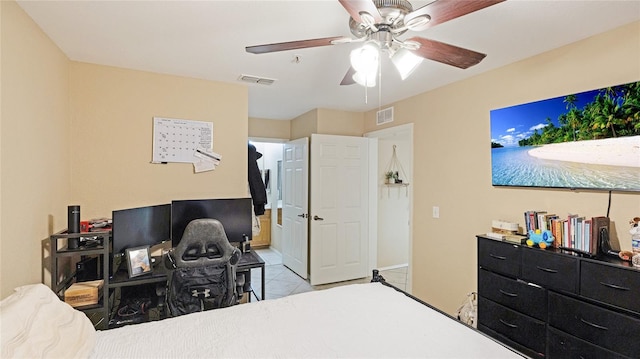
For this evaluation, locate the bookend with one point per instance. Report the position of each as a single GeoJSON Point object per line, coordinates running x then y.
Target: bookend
{"type": "Point", "coordinates": [604, 243]}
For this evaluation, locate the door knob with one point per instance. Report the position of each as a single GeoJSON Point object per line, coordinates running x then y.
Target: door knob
{"type": "Point", "coordinates": [316, 218]}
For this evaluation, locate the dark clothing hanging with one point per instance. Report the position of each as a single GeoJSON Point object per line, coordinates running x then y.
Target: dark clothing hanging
{"type": "Point", "coordinates": [256, 186]}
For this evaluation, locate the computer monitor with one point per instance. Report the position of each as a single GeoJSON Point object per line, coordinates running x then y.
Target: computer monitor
{"type": "Point", "coordinates": [233, 213]}
{"type": "Point", "coordinates": [141, 226]}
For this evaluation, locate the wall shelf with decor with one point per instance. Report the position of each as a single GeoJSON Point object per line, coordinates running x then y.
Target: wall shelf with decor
{"type": "Point", "coordinates": [394, 175]}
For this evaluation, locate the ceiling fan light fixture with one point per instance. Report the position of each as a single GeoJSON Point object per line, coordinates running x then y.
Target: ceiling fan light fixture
{"type": "Point", "coordinates": [365, 79]}
{"type": "Point", "coordinates": [365, 59]}
{"type": "Point", "coordinates": [405, 62]}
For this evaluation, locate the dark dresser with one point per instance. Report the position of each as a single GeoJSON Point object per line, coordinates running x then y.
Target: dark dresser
{"type": "Point", "coordinates": [555, 304]}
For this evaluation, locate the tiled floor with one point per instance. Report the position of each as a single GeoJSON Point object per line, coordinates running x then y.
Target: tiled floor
{"type": "Point", "coordinates": [280, 281]}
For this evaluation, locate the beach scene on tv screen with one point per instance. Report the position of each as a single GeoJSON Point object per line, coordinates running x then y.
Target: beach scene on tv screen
{"type": "Point", "coordinates": [587, 140]}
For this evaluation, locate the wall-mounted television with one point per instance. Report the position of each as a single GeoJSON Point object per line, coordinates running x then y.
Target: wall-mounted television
{"type": "Point", "coordinates": [141, 226]}
{"type": "Point", "coordinates": [584, 141]}
{"type": "Point", "coordinates": [234, 214]}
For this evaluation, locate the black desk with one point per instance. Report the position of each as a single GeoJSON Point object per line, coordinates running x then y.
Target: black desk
{"type": "Point", "coordinates": [121, 277]}
{"type": "Point", "coordinates": [248, 261]}
{"type": "Point", "coordinates": [251, 260]}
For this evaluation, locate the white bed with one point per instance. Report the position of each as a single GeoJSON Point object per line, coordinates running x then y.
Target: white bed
{"type": "Point", "coordinates": [354, 321]}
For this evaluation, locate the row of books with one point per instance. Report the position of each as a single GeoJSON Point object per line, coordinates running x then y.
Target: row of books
{"type": "Point", "coordinates": [572, 232]}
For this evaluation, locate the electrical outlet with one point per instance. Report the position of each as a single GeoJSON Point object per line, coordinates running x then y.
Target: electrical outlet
{"type": "Point", "coordinates": [436, 212]}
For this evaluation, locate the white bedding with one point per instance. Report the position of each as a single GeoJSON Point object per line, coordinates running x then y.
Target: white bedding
{"type": "Point", "coordinates": [354, 321]}
{"type": "Point", "coordinates": [34, 323]}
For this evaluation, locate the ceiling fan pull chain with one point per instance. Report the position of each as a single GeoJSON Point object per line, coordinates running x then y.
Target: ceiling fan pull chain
{"type": "Point", "coordinates": [379, 83]}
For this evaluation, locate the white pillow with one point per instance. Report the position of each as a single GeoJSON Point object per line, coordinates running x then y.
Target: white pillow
{"type": "Point", "coordinates": [36, 324]}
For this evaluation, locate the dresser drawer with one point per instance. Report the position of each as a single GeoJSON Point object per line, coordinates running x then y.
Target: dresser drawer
{"type": "Point", "coordinates": [613, 285]}
{"type": "Point", "coordinates": [519, 348]}
{"type": "Point", "coordinates": [550, 270]}
{"type": "Point", "coordinates": [499, 256]}
{"type": "Point", "coordinates": [514, 294]}
{"type": "Point", "coordinates": [518, 327]}
{"type": "Point", "coordinates": [564, 346]}
{"type": "Point", "coordinates": [602, 327]}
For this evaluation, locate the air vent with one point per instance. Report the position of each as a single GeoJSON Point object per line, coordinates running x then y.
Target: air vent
{"type": "Point", "coordinates": [384, 116]}
{"type": "Point", "coordinates": [256, 80]}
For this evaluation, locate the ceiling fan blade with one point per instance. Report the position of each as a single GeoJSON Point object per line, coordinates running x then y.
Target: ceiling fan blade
{"type": "Point", "coordinates": [291, 45]}
{"type": "Point", "coordinates": [444, 10]}
{"type": "Point", "coordinates": [447, 54]}
{"type": "Point", "coordinates": [355, 7]}
{"type": "Point", "coordinates": [348, 77]}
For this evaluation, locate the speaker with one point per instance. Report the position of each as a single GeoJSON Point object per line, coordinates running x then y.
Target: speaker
{"type": "Point", "coordinates": [73, 225]}
{"type": "Point", "coordinates": [87, 269]}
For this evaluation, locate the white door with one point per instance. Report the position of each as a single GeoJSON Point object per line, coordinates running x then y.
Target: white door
{"type": "Point", "coordinates": [295, 199]}
{"type": "Point", "coordinates": [339, 208]}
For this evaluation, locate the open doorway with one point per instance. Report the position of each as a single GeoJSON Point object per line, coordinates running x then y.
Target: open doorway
{"type": "Point", "coordinates": [395, 201]}
{"type": "Point", "coordinates": [270, 165]}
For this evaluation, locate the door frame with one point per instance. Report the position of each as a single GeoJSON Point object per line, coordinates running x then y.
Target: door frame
{"type": "Point", "coordinates": [381, 134]}
{"type": "Point", "coordinates": [276, 229]}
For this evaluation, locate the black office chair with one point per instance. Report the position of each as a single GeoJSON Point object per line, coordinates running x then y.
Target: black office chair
{"type": "Point", "coordinates": [204, 274]}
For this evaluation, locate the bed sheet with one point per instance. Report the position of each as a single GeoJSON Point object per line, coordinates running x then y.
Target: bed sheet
{"type": "Point", "coordinates": [353, 321]}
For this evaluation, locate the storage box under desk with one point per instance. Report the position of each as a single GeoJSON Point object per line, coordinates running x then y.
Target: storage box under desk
{"type": "Point", "coordinates": [84, 293]}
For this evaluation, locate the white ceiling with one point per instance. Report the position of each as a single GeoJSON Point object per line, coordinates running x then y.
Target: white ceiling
{"type": "Point", "coordinates": [206, 40]}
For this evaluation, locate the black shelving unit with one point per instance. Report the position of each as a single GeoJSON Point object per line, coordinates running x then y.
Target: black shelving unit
{"type": "Point", "coordinates": [95, 244]}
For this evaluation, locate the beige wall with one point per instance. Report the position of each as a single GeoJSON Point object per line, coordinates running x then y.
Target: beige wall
{"type": "Point", "coordinates": [35, 145]}
{"type": "Point", "coordinates": [452, 158]}
{"type": "Point", "coordinates": [344, 123]}
{"type": "Point", "coordinates": [264, 128]}
{"type": "Point", "coordinates": [321, 121]}
{"type": "Point", "coordinates": [112, 122]}
{"type": "Point", "coordinates": [304, 125]}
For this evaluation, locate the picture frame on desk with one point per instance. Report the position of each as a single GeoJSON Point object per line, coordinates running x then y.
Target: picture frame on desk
{"type": "Point", "coordinates": [138, 261]}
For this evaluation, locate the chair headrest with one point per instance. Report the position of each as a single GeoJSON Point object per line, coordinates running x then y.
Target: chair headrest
{"type": "Point", "coordinates": [204, 242]}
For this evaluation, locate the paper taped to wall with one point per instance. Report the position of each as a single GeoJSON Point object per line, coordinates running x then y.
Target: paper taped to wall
{"type": "Point", "coordinates": [206, 160]}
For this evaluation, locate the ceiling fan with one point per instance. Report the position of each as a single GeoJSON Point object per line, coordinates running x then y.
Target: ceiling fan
{"type": "Point", "coordinates": [379, 23]}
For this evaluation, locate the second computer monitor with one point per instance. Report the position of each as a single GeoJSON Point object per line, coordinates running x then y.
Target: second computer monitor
{"type": "Point", "coordinates": [234, 214]}
{"type": "Point", "coordinates": [140, 226]}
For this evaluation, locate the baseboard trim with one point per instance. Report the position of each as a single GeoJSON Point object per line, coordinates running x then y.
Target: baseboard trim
{"type": "Point", "coordinates": [394, 267]}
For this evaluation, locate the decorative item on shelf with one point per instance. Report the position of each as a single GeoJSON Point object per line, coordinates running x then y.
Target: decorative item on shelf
{"type": "Point", "coordinates": [396, 177]}
{"type": "Point", "coordinates": [542, 239]}
{"type": "Point", "coordinates": [388, 176]}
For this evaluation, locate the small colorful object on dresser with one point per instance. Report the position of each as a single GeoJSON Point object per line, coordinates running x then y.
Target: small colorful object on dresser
{"type": "Point", "coordinates": [635, 240]}
{"type": "Point", "coordinates": [542, 239]}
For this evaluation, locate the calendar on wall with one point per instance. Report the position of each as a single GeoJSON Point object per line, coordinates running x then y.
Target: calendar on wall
{"type": "Point", "coordinates": [176, 140]}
